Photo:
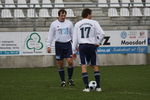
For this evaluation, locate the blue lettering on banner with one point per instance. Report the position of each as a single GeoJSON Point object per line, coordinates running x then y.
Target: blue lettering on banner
{"type": "Point", "coordinates": [9, 52]}
{"type": "Point", "coordinates": [122, 50]}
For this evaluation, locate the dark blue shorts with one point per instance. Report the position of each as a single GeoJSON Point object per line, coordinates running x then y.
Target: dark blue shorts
{"type": "Point", "coordinates": [88, 54]}
{"type": "Point", "coordinates": [63, 50]}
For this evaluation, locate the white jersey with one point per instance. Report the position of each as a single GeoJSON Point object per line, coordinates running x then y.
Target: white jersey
{"type": "Point", "coordinates": [60, 32]}
{"type": "Point", "coordinates": [87, 31]}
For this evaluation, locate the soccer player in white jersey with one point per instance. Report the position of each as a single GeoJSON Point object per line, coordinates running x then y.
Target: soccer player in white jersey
{"type": "Point", "coordinates": [61, 31]}
{"type": "Point", "coordinates": [87, 36]}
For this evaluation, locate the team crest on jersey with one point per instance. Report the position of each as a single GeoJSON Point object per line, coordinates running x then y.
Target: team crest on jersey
{"type": "Point", "coordinates": [64, 30]}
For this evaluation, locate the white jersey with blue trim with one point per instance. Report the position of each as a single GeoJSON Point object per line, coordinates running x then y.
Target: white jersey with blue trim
{"type": "Point", "coordinates": [87, 31]}
{"type": "Point", "coordinates": [60, 32]}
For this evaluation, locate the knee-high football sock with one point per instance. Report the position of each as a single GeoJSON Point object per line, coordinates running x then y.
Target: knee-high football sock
{"type": "Point", "coordinates": [97, 78]}
{"type": "Point", "coordinates": [70, 72]}
{"type": "Point", "coordinates": [85, 79]}
{"type": "Point", "coordinates": [62, 74]}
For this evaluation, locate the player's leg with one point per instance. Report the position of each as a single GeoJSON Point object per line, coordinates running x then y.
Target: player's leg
{"type": "Point", "coordinates": [97, 77]}
{"type": "Point", "coordinates": [85, 75]}
{"type": "Point", "coordinates": [60, 64]}
{"type": "Point", "coordinates": [70, 69]}
{"type": "Point", "coordinates": [61, 72]}
{"type": "Point", "coordinates": [95, 67]}
{"type": "Point", "coordinates": [85, 78]}
{"type": "Point", "coordinates": [82, 50]}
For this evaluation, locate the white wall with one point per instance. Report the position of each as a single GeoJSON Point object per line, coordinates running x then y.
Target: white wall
{"type": "Point", "coordinates": [46, 61]}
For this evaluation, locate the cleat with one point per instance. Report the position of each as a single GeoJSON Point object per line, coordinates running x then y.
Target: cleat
{"type": "Point", "coordinates": [86, 90]}
{"type": "Point", "coordinates": [71, 82]}
{"type": "Point", "coordinates": [63, 84]}
{"type": "Point", "coordinates": [98, 89]}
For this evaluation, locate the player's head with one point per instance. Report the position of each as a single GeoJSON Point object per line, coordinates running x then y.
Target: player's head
{"type": "Point", "coordinates": [87, 13]}
{"type": "Point", "coordinates": [62, 15]}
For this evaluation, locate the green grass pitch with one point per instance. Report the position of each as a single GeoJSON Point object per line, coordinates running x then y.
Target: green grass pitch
{"type": "Point", "coordinates": [118, 83]}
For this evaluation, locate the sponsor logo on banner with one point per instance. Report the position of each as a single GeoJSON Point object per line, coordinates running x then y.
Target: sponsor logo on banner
{"type": "Point", "coordinates": [132, 34]}
{"type": "Point", "coordinates": [34, 42]}
{"type": "Point", "coordinates": [123, 35]}
{"type": "Point", "coordinates": [142, 35]}
{"type": "Point", "coordinates": [136, 42]}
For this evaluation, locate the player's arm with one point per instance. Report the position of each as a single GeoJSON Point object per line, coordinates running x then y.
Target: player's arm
{"type": "Point", "coordinates": [71, 33]}
{"type": "Point", "coordinates": [71, 30]}
{"type": "Point", "coordinates": [75, 41]}
{"type": "Point", "coordinates": [99, 33]}
{"type": "Point", "coordinates": [50, 38]}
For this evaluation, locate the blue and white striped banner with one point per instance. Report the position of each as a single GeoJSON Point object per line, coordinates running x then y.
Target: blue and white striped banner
{"type": "Point", "coordinates": [122, 50]}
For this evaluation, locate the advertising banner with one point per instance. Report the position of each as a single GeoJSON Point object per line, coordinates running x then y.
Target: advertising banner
{"type": "Point", "coordinates": [34, 43]}
{"type": "Point", "coordinates": [10, 43]}
{"type": "Point", "coordinates": [130, 41]}
{"type": "Point", "coordinates": [23, 43]}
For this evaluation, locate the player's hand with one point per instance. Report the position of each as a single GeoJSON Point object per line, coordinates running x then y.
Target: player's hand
{"type": "Point", "coordinates": [74, 56]}
{"type": "Point", "coordinates": [49, 50]}
{"type": "Point", "coordinates": [77, 49]}
{"type": "Point", "coordinates": [97, 45]}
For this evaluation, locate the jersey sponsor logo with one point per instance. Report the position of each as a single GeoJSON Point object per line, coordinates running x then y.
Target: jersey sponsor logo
{"type": "Point", "coordinates": [63, 31]}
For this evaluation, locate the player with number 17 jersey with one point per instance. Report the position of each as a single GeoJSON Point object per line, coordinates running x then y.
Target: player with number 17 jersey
{"type": "Point", "coordinates": [87, 31]}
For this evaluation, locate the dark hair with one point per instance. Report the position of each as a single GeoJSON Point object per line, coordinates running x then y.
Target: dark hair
{"type": "Point", "coordinates": [62, 11]}
{"type": "Point", "coordinates": [86, 12]}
